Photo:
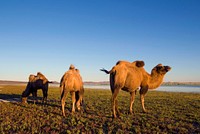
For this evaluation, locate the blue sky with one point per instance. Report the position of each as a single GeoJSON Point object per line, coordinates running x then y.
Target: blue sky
{"type": "Point", "coordinates": [49, 35]}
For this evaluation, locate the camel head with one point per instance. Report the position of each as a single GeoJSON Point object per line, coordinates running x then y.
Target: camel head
{"type": "Point", "coordinates": [160, 69]}
{"type": "Point", "coordinates": [26, 93]}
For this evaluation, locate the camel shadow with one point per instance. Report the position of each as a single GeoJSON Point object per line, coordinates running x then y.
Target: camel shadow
{"type": "Point", "coordinates": [10, 98]}
{"type": "Point", "coordinates": [30, 100]}
{"type": "Point", "coordinates": [16, 98]}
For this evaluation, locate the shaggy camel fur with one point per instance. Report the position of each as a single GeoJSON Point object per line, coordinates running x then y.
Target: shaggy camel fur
{"type": "Point", "coordinates": [132, 76]}
{"type": "Point", "coordinates": [71, 82]}
{"type": "Point", "coordinates": [36, 82]}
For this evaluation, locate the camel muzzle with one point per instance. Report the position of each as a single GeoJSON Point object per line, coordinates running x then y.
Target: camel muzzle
{"type": "Point", "coordinates": [167, 68]}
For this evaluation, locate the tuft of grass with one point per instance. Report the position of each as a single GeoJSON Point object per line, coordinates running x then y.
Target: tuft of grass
{"type": "Point", "coordinates": [168, 113]}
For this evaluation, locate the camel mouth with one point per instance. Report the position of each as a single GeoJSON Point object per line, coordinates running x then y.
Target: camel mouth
{"type": "Point", "coordinates": [167, 68]}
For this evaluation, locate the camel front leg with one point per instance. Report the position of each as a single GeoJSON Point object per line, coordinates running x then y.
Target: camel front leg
{"type": "Point", "coordinates": [63, 98]}
{"type": "Point", "coordinates": [143, 91]}
{"type": "Point", "coordinates": [132, 101]}
{"type": "Point", "coordinates": [34, 96]}
{"type": "Point", "coordinates": [142, 101]}
{"type": "Point", "coordinates": [73, 101]}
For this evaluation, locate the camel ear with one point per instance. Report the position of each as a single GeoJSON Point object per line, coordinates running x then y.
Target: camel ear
{"type": "Point", "coordinates": [159, 65]}
{"type": "Point", "coordinates": [140, 63]}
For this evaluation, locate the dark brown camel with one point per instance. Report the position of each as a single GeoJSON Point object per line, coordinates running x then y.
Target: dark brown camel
{"type": "Point", "coordinates": [36, 82]}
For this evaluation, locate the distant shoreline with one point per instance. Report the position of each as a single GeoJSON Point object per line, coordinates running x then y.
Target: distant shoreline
{"type": "Point", "coordinates": [163, 84]}
{"type": "Point", "coordinates": [7, 82]}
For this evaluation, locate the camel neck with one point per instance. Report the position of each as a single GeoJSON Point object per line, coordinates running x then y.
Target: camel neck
{"type": "Point", "coordinates": [155, 81]}
{"type": "Point", "coordinates": [27, 91]}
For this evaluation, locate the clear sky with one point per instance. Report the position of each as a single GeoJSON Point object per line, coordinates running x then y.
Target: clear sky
{"type": "Point", "coordinates": [49, 35]}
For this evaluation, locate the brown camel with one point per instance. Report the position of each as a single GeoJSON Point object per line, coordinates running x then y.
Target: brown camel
{"type": "Point", "coordinates": [36, 82]}
{"type": "Point", "coordinates": [132, 76]}
{"type": "Point", "coordinates": [72, 82]}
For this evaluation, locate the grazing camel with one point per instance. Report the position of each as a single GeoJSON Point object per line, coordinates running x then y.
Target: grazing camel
{"type": "Point", "coordinates": [36, 82]}
{"type": "Point", "coordinates": [71, 82]}
{"type": "Point", "coordinates": [132, 76]}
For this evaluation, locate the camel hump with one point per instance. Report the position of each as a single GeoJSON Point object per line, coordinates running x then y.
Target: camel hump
{"type": "Point", "coordinates": [70, 74]}
{"type": "Point", "coordinates": [118, 62]}
{"type": "Point", "coordinates": [139, 63]}
{"type": "Point", "coordinates": [31, 78]}
{"type": "Point", "coordinates": [71, 67]}
{"type": "Point", "coordinates": [42, 77]}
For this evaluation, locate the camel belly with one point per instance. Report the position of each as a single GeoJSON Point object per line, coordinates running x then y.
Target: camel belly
{"type": "Point", "coordinates": [132, 82]}
{"type": "Point", "coordinates": [130, 89]}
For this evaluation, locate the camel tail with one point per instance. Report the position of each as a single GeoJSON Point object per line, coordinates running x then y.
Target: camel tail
{"type": "Point", "coordinates": [112, 81]}
{"type": "Point", "coordinates": [62, 90]}
{"type": "Point", "coordinates": [104, 70]}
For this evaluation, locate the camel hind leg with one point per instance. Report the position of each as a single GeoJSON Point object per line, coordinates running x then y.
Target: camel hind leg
{"type": "Point", "coordinates": [80, 103]}
{"type": "Point", "coordinates": [132, 101]}
{"type": "Point", "coordinates": [45, 94]}
{"type": "Point", "coordinates": [116, 108]}
{"type": "Point", "coordinates": [63, 98]}
{"type": "Point", "coordinates": [114, 102]}
{"type": "Point", "coordinates": [79, 99]}
{"type": "Point", "coordinates": [73, 101]}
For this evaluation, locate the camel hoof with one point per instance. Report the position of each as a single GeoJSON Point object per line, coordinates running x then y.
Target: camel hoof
{"type": "Point", "coordinates": [145, 111]}
{"type": "Point", "coordinates": [73, 112]}
{"type": "Point", "coordinates": [114, 117]}
{"type": "Point", "coordinates": [118, 114]}
{"type": "Point", "coordinates": [63, 114]}
{"type": "Point", "coordinates": [131, 112]}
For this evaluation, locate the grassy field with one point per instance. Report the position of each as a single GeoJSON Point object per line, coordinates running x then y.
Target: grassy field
{"type": "Point", "coordinates": [168, 113]}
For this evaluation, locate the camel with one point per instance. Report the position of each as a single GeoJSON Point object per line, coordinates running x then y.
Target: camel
{"type": "Point", "coordinates": [132, 76]}
{"type": "Point", "coordinates": [36, 82]}
{"type": "Point", "coordinates": [71, 82]}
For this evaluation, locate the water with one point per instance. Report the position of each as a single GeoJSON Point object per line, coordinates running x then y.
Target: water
{"type": "Point", "coordinates": [188, 89]}
{"type": "Point", "coordinates": [97, 86]}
